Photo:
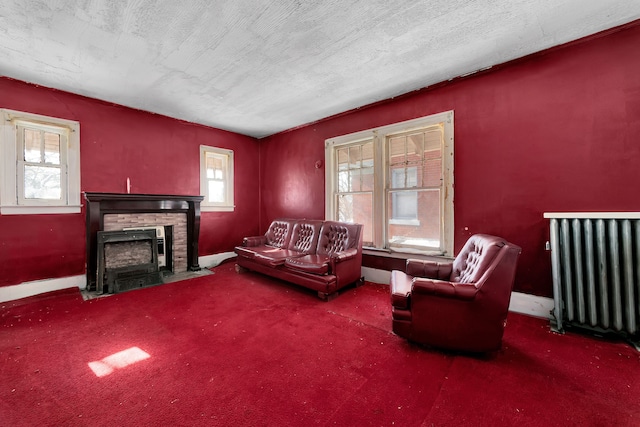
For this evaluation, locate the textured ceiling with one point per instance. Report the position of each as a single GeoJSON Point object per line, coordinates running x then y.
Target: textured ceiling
{"type": "Point", "coordinates": [258, 67]}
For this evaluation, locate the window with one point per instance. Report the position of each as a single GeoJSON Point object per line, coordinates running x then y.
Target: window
{"type": "Point", "coordinates": [397, 181]}
{"type": "Point", "coordinates": [41, 164]}
{"type": "Point", "coordinates": [216, 179]}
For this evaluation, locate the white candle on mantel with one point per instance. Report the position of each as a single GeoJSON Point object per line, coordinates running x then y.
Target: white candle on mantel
{"type": "Point", "coordinates": [128, 186]}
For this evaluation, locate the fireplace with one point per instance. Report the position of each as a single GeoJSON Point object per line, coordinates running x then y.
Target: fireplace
{"type": "Point", "coordinates": [178, 216]}
{"type": "Point", "coordinates": [127, 259]}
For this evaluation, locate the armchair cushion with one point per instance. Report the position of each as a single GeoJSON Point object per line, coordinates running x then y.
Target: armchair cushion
{"type": "Point", "coordinates": [442, 288]}
{"type": "Point", "coordinates": [432, 269]}
{"type": "Point", "coordinates": [475, 257]}
{"type": "Point", "coordinates": [401, 285]}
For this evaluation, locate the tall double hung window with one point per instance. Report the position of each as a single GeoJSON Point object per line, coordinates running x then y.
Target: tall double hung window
{"type": "Point", "coordinates": [397, 181]}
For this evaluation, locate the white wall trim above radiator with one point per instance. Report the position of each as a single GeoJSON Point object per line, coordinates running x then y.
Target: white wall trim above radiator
{"type": "Point", "coordinates": [593, 215]}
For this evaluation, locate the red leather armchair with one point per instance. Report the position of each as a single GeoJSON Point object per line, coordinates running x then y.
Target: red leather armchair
{"type": "Point", "coordinates": [458, 305]}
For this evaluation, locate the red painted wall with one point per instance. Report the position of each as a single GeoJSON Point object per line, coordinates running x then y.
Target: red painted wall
{"type": "Point", "coordinates": [158, 154]}
{"type": "Point", "coordinates": [557, 131]}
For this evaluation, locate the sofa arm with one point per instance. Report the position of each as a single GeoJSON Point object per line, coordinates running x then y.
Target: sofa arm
{"type": "Point", "coordinates": [431, 269]}
{"type": "Point", "coordinates": [254, 241]}
{"type": "Point", "coordinates": [441, 288]}
{"type": "Point", "coordinates": [344, 255]}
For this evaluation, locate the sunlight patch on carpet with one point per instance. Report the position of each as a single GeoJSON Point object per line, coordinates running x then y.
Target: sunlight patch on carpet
{"type": "Point", "coordinates": [119, 360]}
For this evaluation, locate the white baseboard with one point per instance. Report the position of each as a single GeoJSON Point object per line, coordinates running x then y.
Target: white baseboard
{"type": "Point", "coordinates": [376, 276]}
{"type": "Point", "coordinates": [28, 289]}
{"type": "Point", "coordinates": [530, 305]}
{"type": "Point", "coordinates": [208, 261]}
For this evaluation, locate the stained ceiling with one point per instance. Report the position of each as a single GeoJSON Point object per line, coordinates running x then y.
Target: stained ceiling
{"type": "Point", "coordinates": [258, 67]}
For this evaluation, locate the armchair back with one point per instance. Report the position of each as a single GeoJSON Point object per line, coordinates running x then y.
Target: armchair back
{"type": "Point", "coordinates": [475, 257]}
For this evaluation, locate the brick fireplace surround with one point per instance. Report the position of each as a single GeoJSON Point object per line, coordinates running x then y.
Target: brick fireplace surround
{"type": "Point", "coordinates": [113, 211]}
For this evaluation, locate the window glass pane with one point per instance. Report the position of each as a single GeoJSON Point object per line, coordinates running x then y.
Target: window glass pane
{"type": "Point", "coordinates": [32, 146]}
{"type": "Point", "coordinates": [52, 148]}
{"type": "Point", "coordinates": [404, 204]}
{"type": "Point", "coordinates": [367, 155]}
{"type": "Point", "coordinates": [432, 172]}
{"type": "Point", "coordinates": [216, 191]}
{"type": "Point", "coordinates": [404, 177]}
{"type": "Point", "coordinates": [42, 183]}
{"type": "Point", "coordinates": [421, 232]}
{"type": "Point", "coordinates": [343, 159]}
{"type": "Point", "coordinates": [397, 150]}
{"type": "Point", "coordinates": [367, 181]}
{"type": "Point", "coordinates": [354, 183]}
{"type": "Point", "coordinates": [355, 157]}
{"type": "Point", "coordinates": [415, 145]}
{"type": "Point", "coordinates": [343, 182]}
{"type": "Point", "coordinates": [358, 208]}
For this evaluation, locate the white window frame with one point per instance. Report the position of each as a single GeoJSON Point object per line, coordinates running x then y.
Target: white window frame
{"type": "Point", "coordinates": [380, 212]}
{"type": "Point", "coordinates": [12, 202]}
{"type": "Point", "coordinates": [227, 157]}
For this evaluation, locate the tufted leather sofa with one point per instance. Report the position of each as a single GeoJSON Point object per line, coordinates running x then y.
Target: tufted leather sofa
{"type": "Point", "coordinates": [321, 255]}
{"type": "Point", "coordinates": [458, 305]}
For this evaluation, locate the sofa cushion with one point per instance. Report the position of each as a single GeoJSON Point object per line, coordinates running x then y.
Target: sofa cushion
{"type": "Point", "coordinates": [275, 256]}
{"type": "Point", "coordinates": [246, 252]}
{"type": "Point", "coordinates": [336, 237]}
{"type": "Point", "coordinates": [304, 236]}
{"type": "Point", "coordinates": [316, 264]}
{"type": "Point", "coordinates": [279, 233]}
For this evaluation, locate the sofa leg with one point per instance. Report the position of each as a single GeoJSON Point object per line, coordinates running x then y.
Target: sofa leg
{"type": "Point", "coordinates": [240, 269]}
{"type": "Point", "coordinates": [327, 297]}
{"type": "Point", "coordinates": [360, 282]}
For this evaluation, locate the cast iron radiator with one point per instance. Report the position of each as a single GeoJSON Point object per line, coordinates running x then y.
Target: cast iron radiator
{"type": "Point", "coordinates": [595, 262]}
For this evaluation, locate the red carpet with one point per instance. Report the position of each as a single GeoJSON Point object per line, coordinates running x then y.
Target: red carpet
{"type": "Point", "coordinates": [245, 350]}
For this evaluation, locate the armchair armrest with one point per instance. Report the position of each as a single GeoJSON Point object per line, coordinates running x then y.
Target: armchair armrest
{"type": "Point", "coordinates": [345, 255]}
{"type": "Point", "coordinates": [441, 288]}
{"type": "Point", "coordinates": [432, 269]}
{"type": "Point", "coordinates": [254, 241]}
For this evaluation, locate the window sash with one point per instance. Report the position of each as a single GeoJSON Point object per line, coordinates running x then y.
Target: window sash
{"type": "Point", "coordinates": [43, 163]}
